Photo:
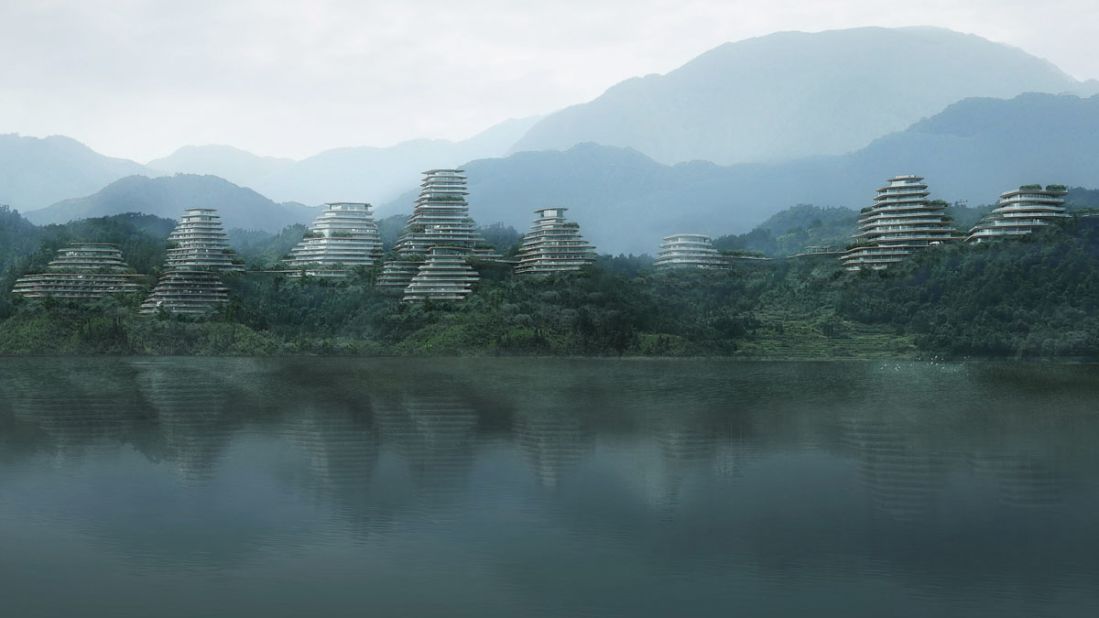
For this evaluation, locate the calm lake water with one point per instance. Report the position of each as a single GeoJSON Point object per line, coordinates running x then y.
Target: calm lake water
{"type": "Point", "coordinates": [340, 487]}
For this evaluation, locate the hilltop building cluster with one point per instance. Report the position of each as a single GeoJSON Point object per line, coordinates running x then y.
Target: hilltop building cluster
{"type": "Point", "coordinates": [432, 254]}
{"type": "Point", "coordinates": [433, 259]}
{"type": "Point", "coordinates": [903, 220]}
{"type": "Point", "coordinates": [439, 251]}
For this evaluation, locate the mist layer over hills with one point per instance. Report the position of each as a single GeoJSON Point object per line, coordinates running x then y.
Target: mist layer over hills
{"type": "Point", "coordinates": [626, 202]}
{"type": "Point", "coordinates": [169, 196]}
{"type": "Point", "coordinates": [233, 164]}
{"type": "Point", "coordinates": [762, 101]}
{"type": "Point", "coordinates": [795, 94]}
{"type": "Point", "coordinates": [36, 172]}
{"type": "Point", "coordinates": [342, 174]}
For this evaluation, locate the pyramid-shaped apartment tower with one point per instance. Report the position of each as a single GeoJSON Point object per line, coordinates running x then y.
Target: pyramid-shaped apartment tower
{"type": "Point", "coordinates": [343, 237]}
{"type": "Point", "coordinates": [84, 271]}
{"type": "Point", "coordinates": [198, 254]}
{"type": "Point", "coordinates": [901, 222]}
{"type": "Point", "coordinates": [440, 219]}
{"type": "Point", "coordinates": [553, 245]}
{"type": "Point", "coordinates": [1022, 211]}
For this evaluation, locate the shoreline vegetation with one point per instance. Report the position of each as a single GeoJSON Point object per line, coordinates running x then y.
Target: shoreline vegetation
{"type": "Point", "coordinates": [1033, 298]}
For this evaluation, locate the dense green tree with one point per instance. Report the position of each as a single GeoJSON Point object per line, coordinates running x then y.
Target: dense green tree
{"type": "Point", "coordinates": [1034, 297]}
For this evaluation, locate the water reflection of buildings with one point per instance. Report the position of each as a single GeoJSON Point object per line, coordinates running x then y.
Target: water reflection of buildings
{"type": "Point", "coordinates": [76, 408]}
{"type": "Point", "coordinates": [652, 429]}
{"type": "Point", "coordinates": [627, 427]}
{"type": "Point", "coordinates": [902, 476]}
{"type": "Point", "coordinates": [552, 438]}
{"type": "Point", "coordinates": [674, 447]}
{"type": "Point", "coordinates": [340, 445]}
{"type": "Point", "coordinates": [1022, 480]}
{"type": "Point", "coordinates": [191, 405]}
{"type": "Point", "coordinates": [434, 432]}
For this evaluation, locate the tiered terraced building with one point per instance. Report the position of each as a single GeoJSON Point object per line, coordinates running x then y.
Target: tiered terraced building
{"type": "Point", "coordinates": [198, 253]}
{"type": "Point", "coordinates": [440, 219]}
{"type": "Point", "coordinates": [1022, 211]}
{"type": "Point", "coordinates": [343, 237]}
{"type": "Point", "coordinates": [902, 221]}
{"type": "Point", "coordinates": [85, 271]}
{"type": "Point", "coordinates": [444, 275]}
{"type": "Point", "coordinates": [689, 251]}
{"type": "Point", "coordinates": [553, 245]}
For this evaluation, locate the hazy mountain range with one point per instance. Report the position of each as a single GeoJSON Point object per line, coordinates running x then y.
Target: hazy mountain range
{"type": "Point", "coordinates": [794, 94]}
{"type": "Point", "coordinates": [893, 98]}
{"type": "Point", "coordinates": [362, 174]}
{"type": "Point", "coordinates": [625, 201]}
{"type": "Point", "coordinates": [233, 164]}
{"type": "Point", "coordinates": [36, 172]}
{"type": "Point", "coordinates": [168, 196]}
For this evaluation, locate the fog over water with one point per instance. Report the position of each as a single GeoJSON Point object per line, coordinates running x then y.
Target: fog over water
{"type": "Point", "coordinates": [510, 487]}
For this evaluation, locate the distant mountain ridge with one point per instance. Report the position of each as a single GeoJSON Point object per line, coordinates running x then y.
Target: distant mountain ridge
{"type": "Point", "coordinates": [36, 172]}
{"type": "Point", "coordinates": [169, 196]}
{"type": "Point", "coordinates": [233, 164]}
{"type": "Point", "coordinates": [625, 201]}
{"type": "Point", "coordinates": [39, 172]}
{"type": "Point", "coordinates": [794, 94]}
{"type": "Point", "coordinates": [371, 174]}
{"type": "Point", "coordinates": [764, 99]}
{"type": "Point", "coordinates": [360, 173]}
{"type": "Point", "coordinates": [781, 97]}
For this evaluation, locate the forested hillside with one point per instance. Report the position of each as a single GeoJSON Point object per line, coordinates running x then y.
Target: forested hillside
{"type": "Point", "coordinates": [793, 231]}
{"type": "Point", "coordinates": [1034, 297]}
{"type": "Point", "coordinates": [1082, 199]}
{"type": "Point", "coordinates": [1037, 297]}
{"type": "Point", "coordinates": [169, 196]}
{"type": "Point", "coordinates": [26, 248]}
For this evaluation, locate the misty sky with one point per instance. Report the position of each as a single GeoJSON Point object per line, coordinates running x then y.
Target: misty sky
{"type": "Point", "coordinates": [137, 79]}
